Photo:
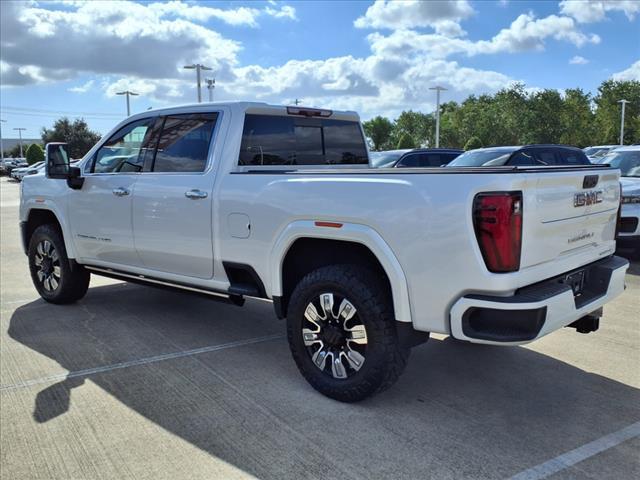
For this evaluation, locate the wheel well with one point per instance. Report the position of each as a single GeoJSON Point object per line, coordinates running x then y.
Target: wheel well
{"type": "Point", "coordinates": [308, 254]}
{"type": "Point", "coordinates": [36, 218]}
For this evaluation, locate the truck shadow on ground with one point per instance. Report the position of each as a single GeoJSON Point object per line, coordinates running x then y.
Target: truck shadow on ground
{"type": "Point", "coordinates": [459, 409]}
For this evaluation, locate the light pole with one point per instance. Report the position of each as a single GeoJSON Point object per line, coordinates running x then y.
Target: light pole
{"type": "Point", "coordinates": [211, 84]}
{"type": "Point", "coordinates": [20, 129]}
{"type": "Point", "coordinates": [127, 93]}
{"type": "Point", "coordinates": [623, 102]}
{"type": "Point", "coordinates": [438, 89]}
{"type": "Point", "coordinates": [1, 144]}
{"type": "Point", "coordinates": [198, 68]}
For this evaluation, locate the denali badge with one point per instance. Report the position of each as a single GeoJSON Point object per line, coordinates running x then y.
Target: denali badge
{"type": "Point", "coordinates": [583, 199]}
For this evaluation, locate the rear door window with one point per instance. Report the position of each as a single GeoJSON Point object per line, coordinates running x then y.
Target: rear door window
{"type": "Point", "coordinates": [183, 145]}
{"type": "Point", "coordinates": [571, 157]}
{"type": "Point", "coordinates": [426, 159]}
{"type": "Point", "coordinates": [409, 161]}
{"type": "Point", "coordinates": [548, 156]}
{"type": "Point", "coordinates": [280, 140]}
{"type": "Point", "coordinates": [534, 157]}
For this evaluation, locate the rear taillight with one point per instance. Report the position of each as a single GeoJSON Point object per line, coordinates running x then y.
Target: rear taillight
{"type": "Point", "coordinates": [497, 221]}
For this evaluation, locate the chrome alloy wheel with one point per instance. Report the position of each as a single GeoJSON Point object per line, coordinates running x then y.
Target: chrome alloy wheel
{"type": "Point", "coordinates": [336, 341]}
{"type": "Point", "coordinates": [47, 264]}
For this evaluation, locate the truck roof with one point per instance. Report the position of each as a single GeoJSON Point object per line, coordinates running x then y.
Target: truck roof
{"type": "Point", "coordinates": [246, 107]}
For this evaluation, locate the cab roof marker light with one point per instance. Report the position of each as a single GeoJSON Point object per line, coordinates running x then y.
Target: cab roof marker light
{"type": "Point", "coordinates": [328, 224]}
{"type": "Point", "coordinates": [309, 112]}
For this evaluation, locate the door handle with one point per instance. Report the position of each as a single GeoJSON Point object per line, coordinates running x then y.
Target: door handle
{"type": "Point", "coordinates": [195, 194]}
{"type": "Point", "coordinates": [120, 192]}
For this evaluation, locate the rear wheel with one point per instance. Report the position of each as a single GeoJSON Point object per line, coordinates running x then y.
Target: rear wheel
{"type": "Point", "coordinates": [56, 280]}
{"type": "Point", "coordinates": [342, 333]}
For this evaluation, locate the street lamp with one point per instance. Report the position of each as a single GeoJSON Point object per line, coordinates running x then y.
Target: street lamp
{"type": "Point", "coordinates": [20, 129]}
{"type": "Point", "coordinates": [127, 93]}
{"type": "Point", "coordinates": [623, 102]}
{"type": "Point", "coordinates": [1, 144]}
{"type": "Point", "coordinates": [211, 84]}
{"type": "Point", "coordinates": [438, 89]}
{"type": "Point", "coordinates": [198, 68]}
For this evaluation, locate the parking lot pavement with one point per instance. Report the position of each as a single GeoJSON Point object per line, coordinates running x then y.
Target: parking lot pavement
{"type": "Point", "coordinates": [134, 382]}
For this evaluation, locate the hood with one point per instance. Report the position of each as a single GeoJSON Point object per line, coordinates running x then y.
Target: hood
{"type": "Point", "coordinates": [630, 184]}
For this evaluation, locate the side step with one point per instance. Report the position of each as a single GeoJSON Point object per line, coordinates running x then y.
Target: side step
{"type": "Point", "coordinates": [232, 297]}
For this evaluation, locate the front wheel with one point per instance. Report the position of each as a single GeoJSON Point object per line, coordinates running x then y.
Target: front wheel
{"type": "Point", "coordinates": [51, 272]}
{"type": "Point", "coordinates": [342, 333]}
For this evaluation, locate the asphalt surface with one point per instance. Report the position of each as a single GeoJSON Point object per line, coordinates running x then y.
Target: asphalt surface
{"type": "Point", "coordinates": [134, 382]}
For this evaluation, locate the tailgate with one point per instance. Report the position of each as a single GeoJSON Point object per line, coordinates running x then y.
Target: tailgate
{"type": "Point", "coordinates": [568, 213]}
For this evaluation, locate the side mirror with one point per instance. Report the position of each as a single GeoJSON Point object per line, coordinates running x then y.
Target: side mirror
{"type": "Point", "coordinates": [57, 165]}
{"type": "Point", "coordinates": [75, 179]}
{"type": "Point", "coordinates": [57, 160]}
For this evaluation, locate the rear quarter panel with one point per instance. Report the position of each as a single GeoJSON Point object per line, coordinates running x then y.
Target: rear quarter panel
{"type": "Point", "coordinates": [425, 219]}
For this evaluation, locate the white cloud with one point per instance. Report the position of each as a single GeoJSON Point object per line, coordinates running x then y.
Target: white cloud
{"type": "Point", "coordinates": [589, 11]}
{"type": "Point", "coordinates": [122, 38]}
{"type": "Point", "coordinates": [239, 16]}
{"type": "Point", "coordinates": [286, 11]}
{"type": "Point", "coordinates": [413, 13]}
{"type": "Point", "coordinates": [578, 60]}
{"type": "Point", "coordinates": [526, 33]}
{"type": "Point", "coordinates": [529, 33]}
{"type": "Point", "coordinates": [631, 73]}
{"type": "Point", "coordinates": [143, 46]}
{"type": "Point", "coordinates": [84, 88]}
{"type": "Point", "coordinates": [449, 28]}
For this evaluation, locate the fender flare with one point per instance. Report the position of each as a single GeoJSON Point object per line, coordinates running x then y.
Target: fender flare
{"type": "Point", "coordinates": [351, 232]}
{"type": "Point", "coordinates": [47, 205]}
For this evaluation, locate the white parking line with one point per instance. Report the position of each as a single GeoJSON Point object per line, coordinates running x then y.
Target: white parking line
{"type": "Point", "coordinates": [584, 452]}
{"type": "Point", "coordinates": [133, 363]}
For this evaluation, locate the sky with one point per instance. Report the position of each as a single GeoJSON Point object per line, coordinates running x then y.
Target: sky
{"type": "Point", "coordinates": [377, 58]}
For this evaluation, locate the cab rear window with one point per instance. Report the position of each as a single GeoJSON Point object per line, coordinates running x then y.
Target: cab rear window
{"type": "Point", "coordinates": [280, 140]}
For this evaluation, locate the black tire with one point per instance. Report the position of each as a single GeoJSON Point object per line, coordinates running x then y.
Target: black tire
{"type": "Point", "coordinates": [384, 357]}
{"type": "Point", "coordinates": [70, 283]}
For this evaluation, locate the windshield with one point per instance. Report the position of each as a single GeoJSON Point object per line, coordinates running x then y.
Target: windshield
{"type": "Point", "coordinates": [385, 159]}
{"type": "Point", "coordinates": [596, 151]}
{"type": "Point", "coordinates": [479, 158]}
{"type": "Point", "coordinates": [628, 162]}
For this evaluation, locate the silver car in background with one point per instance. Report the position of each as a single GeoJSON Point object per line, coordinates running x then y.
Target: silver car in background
{"type": "Point", "coordinates": [596, 152]}
{"type": "Point", "coordinates": [627, 159]}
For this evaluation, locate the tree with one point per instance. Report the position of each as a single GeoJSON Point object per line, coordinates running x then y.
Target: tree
{"type": "Point", "coordinates": [608, 111]}
{"type": "Point", "coordinates": [511, 110]}
{"type": "Point", "coordinates": [418, 126]}
{"type": "Point", "coordinates": [13, 152]}
{"type": "Point", "coordinates": [450, 134]}
{"type": "Point", "coordinates": [379, 130]}
{"type": "Point", "coordinates": [577, 119]}
{"type": "Point", "coordinates": [35, 154]}
{"type": "Point", "coordinates": [473, 143]}
{"type": "Point", "coordinates": [406, 141]}
{"type": "Point", "coordinates": [76, 134]}
{"type": "Point", "coordinates": [545, 124]}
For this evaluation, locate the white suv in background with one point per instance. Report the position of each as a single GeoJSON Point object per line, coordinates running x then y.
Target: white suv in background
{"type": "Point", "coordinates": [596, 152]}
{"type": "Point", "coordinates": [627, 159]}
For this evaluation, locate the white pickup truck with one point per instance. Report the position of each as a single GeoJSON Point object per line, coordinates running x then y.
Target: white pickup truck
{"type": "Point", "coordinates": [238, 200]}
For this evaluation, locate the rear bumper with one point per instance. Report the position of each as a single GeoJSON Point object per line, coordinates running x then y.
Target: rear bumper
{"type": "Point", "coordinates": [538, 309]}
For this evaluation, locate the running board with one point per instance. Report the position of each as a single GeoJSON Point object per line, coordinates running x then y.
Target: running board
{"type": "Point", "coordinates": [217, 295]}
